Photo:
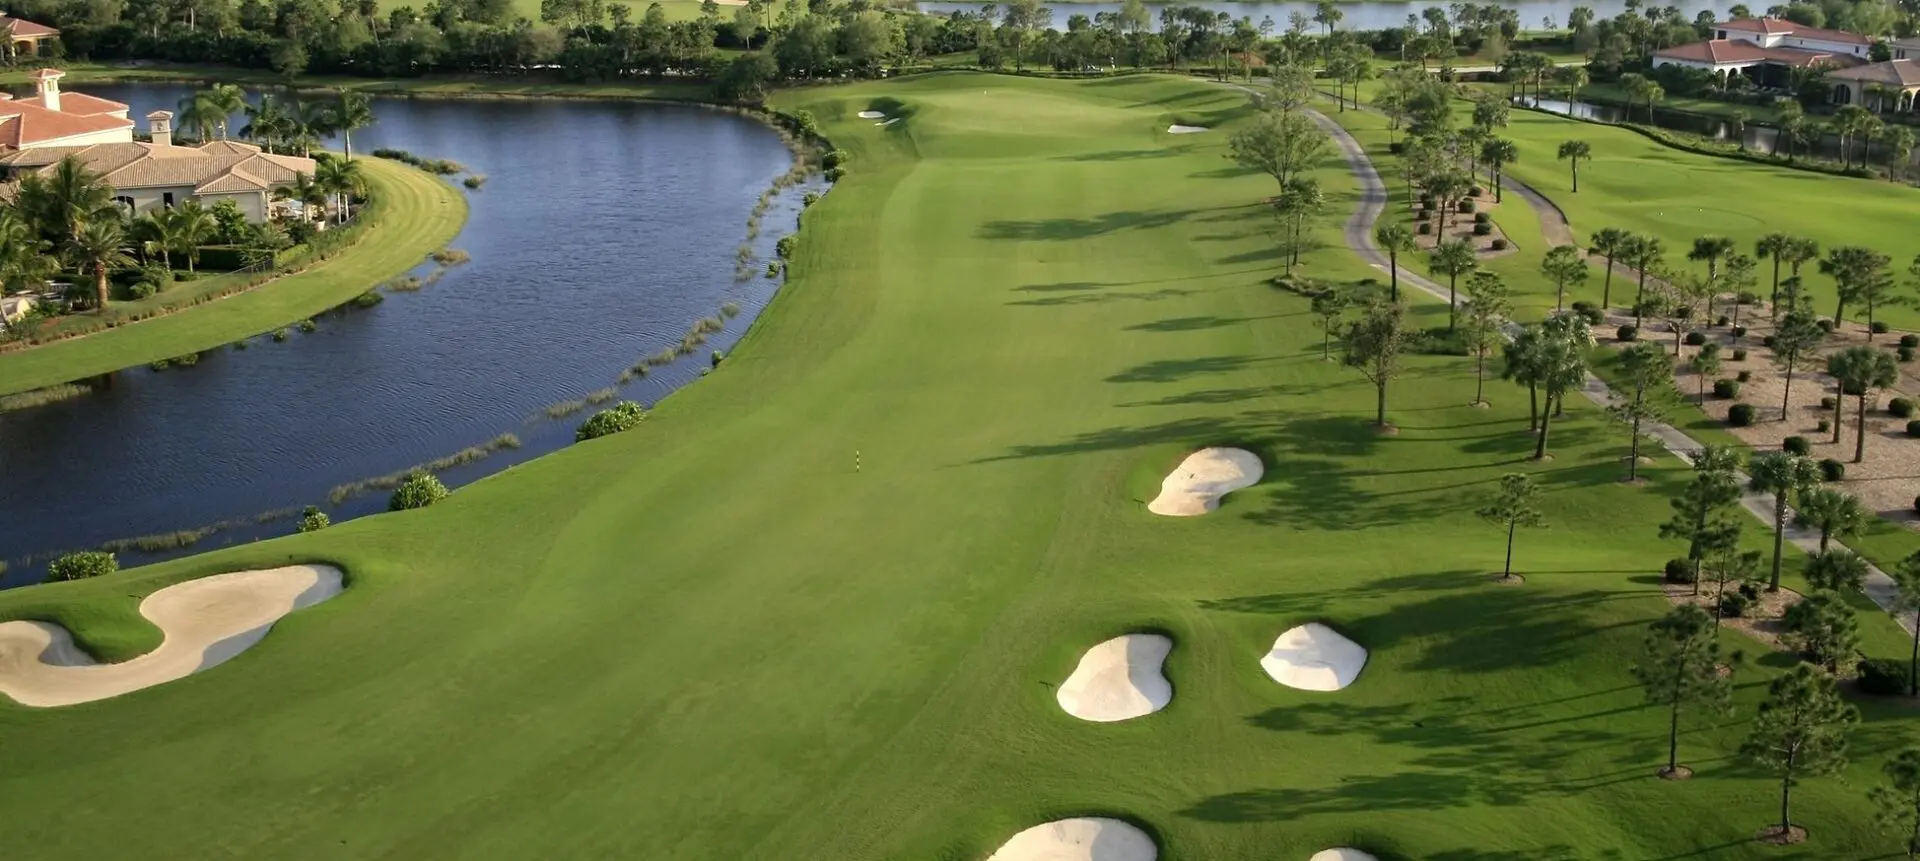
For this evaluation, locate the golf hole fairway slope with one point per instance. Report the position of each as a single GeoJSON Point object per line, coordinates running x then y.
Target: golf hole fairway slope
{"type": "Point", "coordinates": [1342, 854]}
{"type": "Point", "coordinates": [1195, 487]}
{"type": "Point", "coordinates": [1083, 839]}
{"type": "Point", "coordinates": [1119, 679]}
{"type": "Point", "coordinates": [204, 622]}
{"type": "Point", "coordinates": [1314, 657]}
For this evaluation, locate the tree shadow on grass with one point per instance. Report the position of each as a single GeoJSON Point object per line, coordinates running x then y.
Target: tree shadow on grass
{"type": "Point", "coordinates": [1127, 154]}
{"type": "Point", "coordinates": [1232, 395]}
{"type": "Point", "coordinates": [1190, 324]}
{"type": "Point", "coordinates": [1106, 298]}
{"type": "Point", "coordinates": [1173, 370]}
{"type": "Point", "coordinates": [1069, 229]}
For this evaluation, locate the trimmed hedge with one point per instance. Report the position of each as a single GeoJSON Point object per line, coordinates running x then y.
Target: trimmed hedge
{"type": "Point", "coordinates": [1740, 415]}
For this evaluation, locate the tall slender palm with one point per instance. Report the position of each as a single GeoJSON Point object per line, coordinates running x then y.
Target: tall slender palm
{"type": "Point", "coordinates": [1775, 246]}
{"type": "Point", "coordinates": [154, 234]}
{"type": "Point", "coordinates": [266, 123]}
{"type": "Point", "coordinates": [352, 111]}
{"type": "Point", "coordinates": [1573, 152]}
{"type": "Point", "coordinates": [342, 179]}
{"type": "Point", "coordinates": [1453, 259]}
{"type": "Point", "coordinates": [97, 248]}
{"type": "Point", "coordinates": [1643, 252]}
{"type": "Point", "coordinates": [191, 225]}
{"type": "Point", "coordinates": [1860, 371]}
{"type": "Point", "coordinates": [1395, 239]}
{"type": "Point", "coordinates": [227, 100]}
{"type": "Point", "coordinates": [199, 111]}
{"type": "Point", "coordinates": [1565, 347]}
{"type": "Point", "coordinates": [1573, 77]}
{"type": "Point", "coordinates": [1611, 243]}
{"type": "Point", "coordinates": [307, 123]}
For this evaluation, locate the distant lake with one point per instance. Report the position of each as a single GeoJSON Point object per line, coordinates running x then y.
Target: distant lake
{"type": "Point", "coordinates": [604, 230]}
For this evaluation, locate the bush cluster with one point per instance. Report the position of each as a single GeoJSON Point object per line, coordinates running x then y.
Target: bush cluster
{"type": "Point", "coordinates": [1904, 354]}
{"type": "Point", "coordinates": [82, 565]}
{"type": "Point", "coordinates": [1796, 445]}
{"type": "Point", "coordinates": [1627, 333]}
{"type": "Point", "coordinates": [1678, 571]}
{"type": "Point", "coordinates": [1877, 327]}
{"type": "Point", "coordinates": [1498, 245]}
{"type": "Point", "coordinates": [1744, 376]}
{"type": "Point", "coordinates": [1726, 389]}
{"type": "Point", "coordinates": [1739, 331]}
{"type": "Point", "coordinates": [1695, 339]}
{"type": "Point", "coordinates": [1739, 355]}
{"type": "Point", "coordinates": [419, 490]}
{"type": "Point", "coordinates": [1900, 408]}
{"type": "Point", "coordinates": [1832, 470]}
{"type": "Point", "coordinates": [1883, 677]}
{"type": "Point", "coordinates": [1740, 415]}
{"type": "Point", "coordinates": [1733, 605]}
{"type": "Point", "coordinates": [1482, 229]}
{"type": "Point", "coordinates": [619, 417]}
{"type": "Point", "coordinates": [1910, 341]}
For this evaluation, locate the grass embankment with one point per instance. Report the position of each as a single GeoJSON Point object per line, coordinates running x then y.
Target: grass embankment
{"type": "Point", "coordinates": [711, 637]}
{"type": "Point", "coordinates": [414, 214]}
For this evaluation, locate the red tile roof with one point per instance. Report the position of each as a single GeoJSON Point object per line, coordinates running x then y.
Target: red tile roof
{"type": "Point", "coordinates": [1775, 26]}
{"type": "Point", "coordinates": [24, 123]}
{"type": "Point", "coordinates": [22, 29]}
{"type": "Point", "coordinates": [1725, 51]}
{"type": "Point", "coordinates": [81, 104]}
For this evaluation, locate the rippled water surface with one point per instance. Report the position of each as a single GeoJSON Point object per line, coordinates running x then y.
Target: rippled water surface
{"type": "Point", "coordinates": [603, 231]}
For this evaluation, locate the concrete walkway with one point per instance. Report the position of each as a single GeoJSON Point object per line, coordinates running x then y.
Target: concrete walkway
{"type": "Point", "coordinates": [1359, 237]}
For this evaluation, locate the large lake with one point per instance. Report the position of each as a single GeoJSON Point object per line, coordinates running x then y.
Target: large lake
{"type": "Point", "coordinates": [603, 231]}
{"type": "Point", "coordinates": [1364, 15]}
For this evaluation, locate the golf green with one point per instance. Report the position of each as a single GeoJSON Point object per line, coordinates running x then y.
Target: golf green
{"type": "Point", "coordinates": [715, 637]}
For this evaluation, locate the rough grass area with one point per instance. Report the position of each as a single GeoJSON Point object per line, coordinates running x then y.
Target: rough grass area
{"type": "Point", "coordinates": [712, 638]}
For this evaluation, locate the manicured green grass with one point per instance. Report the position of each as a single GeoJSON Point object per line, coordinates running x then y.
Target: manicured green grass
{"type": "Point", "coordinates": [712, 638]}
{"type": "Point", "coordinates": [418, 213]}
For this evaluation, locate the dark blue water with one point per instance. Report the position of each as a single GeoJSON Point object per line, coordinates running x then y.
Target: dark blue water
{"type": "Point", "coordinates": [603, 232]}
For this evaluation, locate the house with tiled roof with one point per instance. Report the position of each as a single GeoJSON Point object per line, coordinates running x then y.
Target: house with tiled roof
{"type": "Point", "coordinates": [24, 37]}
{"type": "Point", "coordinates": [53, 118]}
{"type": "Point", "coordinates": [1763, 48]}
{"type": "Point", "coordinates": [1885, 87]}
{"type": "Point", "coordinates": [149, 175]}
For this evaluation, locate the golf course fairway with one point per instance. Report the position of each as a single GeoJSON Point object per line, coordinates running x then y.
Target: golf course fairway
{"type": "Point", "coordinates": [712, 638]}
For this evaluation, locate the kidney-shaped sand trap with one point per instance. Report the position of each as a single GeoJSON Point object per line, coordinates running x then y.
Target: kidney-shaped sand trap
{"type": "Point", "coordinates": [1342, 854]}
{"type": "Point", "coordinates": [871, 115]}
{"type": "Point", "coordinates": [1314, 657]}
{"type": "Point", "coordinates": [1195, 487]}
{"type": "Point", "coordinates": [1085, 839]}
{"type": "Point", "coordinates": [1119, 679]}
{"type": "Point", "coordinates": [1185, 130]}
{"type": "Point", "coordinates": [204, 622]}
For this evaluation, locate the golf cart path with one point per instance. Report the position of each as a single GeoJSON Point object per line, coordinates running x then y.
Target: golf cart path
{"type": "Point", "coordinates": [1359, 237]}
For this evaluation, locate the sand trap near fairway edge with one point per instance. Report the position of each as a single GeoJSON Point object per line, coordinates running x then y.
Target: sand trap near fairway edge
{"type": "Point", "coordinates": [1196, 485]}
{"type": "Point", "coordinates": [1314, 657]}
{"type": "Point", "coordinates": [870, 115]}
{"type": "Point", "coordinates": [1178, 129]}
{"type": "Point", "coordinates": [1119, 679]}
{"type": "Point", "coordinates": [1090, 838]}
{"type": "Point", "coordinates": [204, 623]}
{"type": "Point", "coordinates": [1342, 854]}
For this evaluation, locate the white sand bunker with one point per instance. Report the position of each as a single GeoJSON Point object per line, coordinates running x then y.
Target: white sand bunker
{"type": "Point", "coordinates": [1205, 476]}
{"type": "Point", "coordinates": [871, 115]}
{"type": "Point", "coordinates": [1185, 130]}
{"type": "Point", "coordinates": [1119, 679]}
{"type": "Point", "coordinates": [204, 623]}
{"type": "Point", "coordinates": [1086, 839]}
{"type": "Point", "coordinates": [1314, 657]}
{"type": "Point", "coordinates": [1342, 854]}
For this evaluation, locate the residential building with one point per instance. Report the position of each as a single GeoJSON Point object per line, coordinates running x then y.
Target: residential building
{"type": "Point", "coordinates": [1879, 87]}
{"type": "Point", "coordinates": [24, 38]}
{"type": "Point", "coordinates": [1905, 49]}
{"type": "Point", "coordinates": [1765, 49]}
{"type": "Point", "coordinates": [151, 175]}
{"type": "Point", "coordinates": [50, 118]}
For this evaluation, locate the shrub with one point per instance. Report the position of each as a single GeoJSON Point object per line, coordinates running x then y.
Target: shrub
{"type": "Point", "coordinates": [1823, 426]}
{"type": "Point", "coordinates": [1827, 403]}
{"type": "Point", "coordinates": [1627, 333]}
{"type": "Point", "coordinates": [1397, 147]}
{"type": "Point", "coordinates": [1744, 376]}
{"type": "Point", "coordinates": [621, 416]}
{"type": "Point", "coordinates": [1825, 325]}
{"type": "Point", "coordinates": [785, 247]}
{"type": "Point", "coordinates": [834, 158]}
{"type": "Point", "coordinates": [1877, 327]}
{"type": "Point", "coordinates": [1482, 218]}
{"type": "Point", "coordinates": [1722, 320]}
{"type": "Point", "coordinates": [1726, 389]}
{"type": "Point", "coordinates": [1900, 408]}
{"type": "Point", "coordinates": [1913, 428]}
{"type": "Point", "coordinates": [80, 566]}
{"type": "Point", "coordinates": [811, 198]}
{"type": "Point", "coordinates": [313, 520]}
{"type": "Point", "coordinates": [1498, 245]}
{"type": "Point", "coordinates": [280, 334]}
{"type": "Point", "coordinates": [1482, 229]}
{"type": "Point", "coordinates": [308, 325]}
{"type": "Point", "coordinates": [1904, 354]}
{"type": "Point", "coordinates": [368, 299]}
{"type": "Point", "coordinates": [1750, 590]}
{"type": "Point", "coordinates": [1425, 228]}
{"type": "Point", "coordinates": [1594, 316]}
{"type": "Point", "coordinates": [1739, 331]}
{"type": "Point", "coordinates": [140, 290]}
{"type": "Point", "coordinates": [1796, 445]}
{"type": "Point", "coordinates": [1832, 470]}
{"type": "Point", "coordinates": [1695, 339]}
{"type": "Point", "coordinates": [1427, 199]}
{"type": "Point", "coordinates": [1883, 677]}
{"type": "Point", "coordinates": [1465, 206]}
{"type": "Point", "coordinates": [419, 490]}
{"type": "Point", "coordinates": [1475, 191]}
{"type": "Point", "coordinates": [1740, 415]}
{"type": "Point", "coordinates": [1739, 355]}
{"type": "Point", "coordinates": [1747, 297]}
{"type": "Point", "coordinates": [1733, 605]}
{"type": "Point", "coordinates": [1910, 341]}
{"type": "Point", "coordinates": [1582, 306]}
{"type": "Point", "coordinates": [1678, 571]}
{"type": "Point", "coordinates": [836, 174]}
{"type": "Point", "coordinates": [1768, 341]}
{"type": "Point", "coordinates": [716, 357]}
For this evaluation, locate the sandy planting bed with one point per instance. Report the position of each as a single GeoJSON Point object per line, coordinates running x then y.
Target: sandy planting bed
{"type": "Point", "coordinates": [1119, 679]}
{"type": "Point", "coordinates": [205, 623]}
{"type": "Point", "coordinates": [1762, 618]}
{"type": "Point", "coordinates": [1196, 485]}
{"type": "Point", "coordinates": [1461, 228]}
{"type": "Point", "coordinates": [1084, 839]}
{"type": "Point", "coordinates": [1314, 657]}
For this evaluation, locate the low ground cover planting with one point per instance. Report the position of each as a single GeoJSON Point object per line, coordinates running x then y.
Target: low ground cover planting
{"type": "Point", "coordinates": [820, 603]}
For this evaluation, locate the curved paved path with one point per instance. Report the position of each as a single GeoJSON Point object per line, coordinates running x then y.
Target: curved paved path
{"type": "Point", "coordinates": [1359, 236]}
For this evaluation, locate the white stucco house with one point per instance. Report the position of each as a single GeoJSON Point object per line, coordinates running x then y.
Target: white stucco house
{"type": "Point", "coordinates": [36, 134]}
{"type": "Point", "coordinates": [1763, 48]}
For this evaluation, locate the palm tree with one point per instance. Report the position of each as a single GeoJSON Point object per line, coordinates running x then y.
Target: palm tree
{"type": "Point", "coordinates": [1898, 144]}
{"type": "Point", "coordinates": [1566, 343]}
{"type": "Point", "coordinates": [1574, 77]}
{"type": "Point", "coordinates": [155, 234]}
{"type": "Point", "coordinates": [1782, 474]}
{"type": "Point", "coordinates": [97, 248]}
{"type": "Point", "coordinates": [352, 112]}
{"type": "Point", "coordinates": [1643, 252]}
{"type": "Point", "coordinates": [1452, 258]}
{"type": "Point", "coordinates": [68, 196]}
{"type": "Point", "coordinates": [1572, 152]}
{"type": "Point", "coordinates": [1395, 239]}
{"type": "Point", "coordinates": [227, 100]}
{"type": "Point", "coordinates": [1497, 153]}
{"type": "Point", "coordinates": [310, 193]}
{"type": "Point", "coordinates": [199, 111]}
{"type": "Point", "coordinates": [1610, 242]}
{"type": "Point", "coordinates": [1859, 371]}
{"type": "Point", "coordinates": [343, 178]}
{"type": "Point", "coordinates": [1737, 126]}
{"type": "Point", "coordinates": [266, 123]}
{"type": "Point", "coordinates": [1830, 511]}
{"type": "Point", "coordinates": [1773, 245]}
{"type": "Point", "coordinates": [1848, 121]}
{"type": "Point", "coordinates": [191, 225]}
{"type": "Point", "coordinates": [24, 262]}
{"type": "Point", "coordinates": [1790, 117]}
{"type": "Point", "coordinates": [306, 124]}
